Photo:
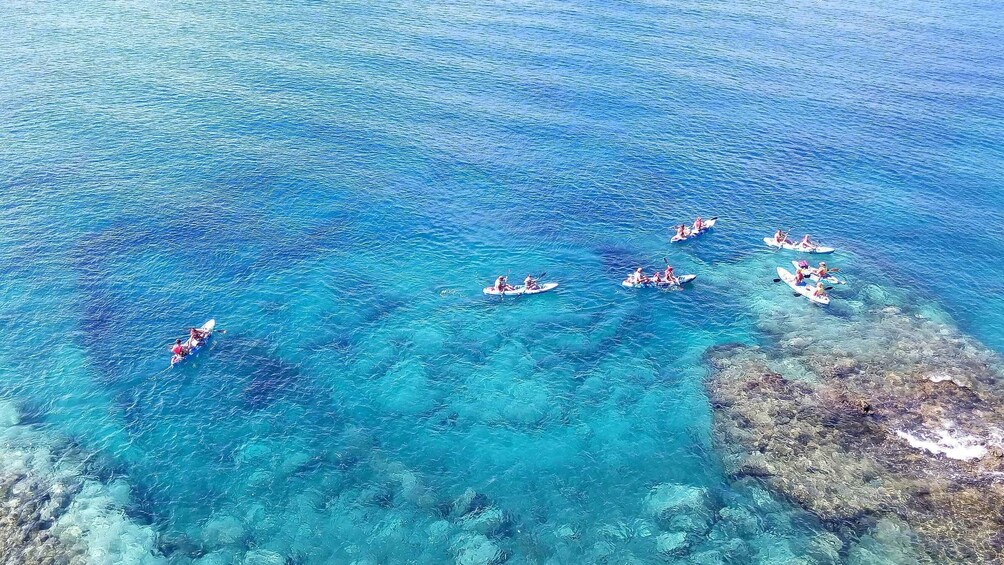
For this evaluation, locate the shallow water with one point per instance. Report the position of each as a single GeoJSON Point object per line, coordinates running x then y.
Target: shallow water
{"type": "Point", "coordinates": [335, 184]}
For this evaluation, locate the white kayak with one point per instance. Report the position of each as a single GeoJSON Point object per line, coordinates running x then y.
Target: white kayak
{"type": "Point", "coordinates": [813, 274]}
{"type": "Point", "coordinates": [684, 279]}
{"type": "Point", "coordinates": [518, 290]}
{"type": "Point", "coordinates": [802, 289]}
{"type": "Point", "coordinates": [195, 345]}
{"type": "Point", "coordinates": [692, 234]}
{"type": "Point", "coordinates": [797, 246]}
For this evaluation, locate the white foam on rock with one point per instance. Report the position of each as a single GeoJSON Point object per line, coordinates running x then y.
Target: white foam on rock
{"type": "Point", "coordinates": [959, 446]}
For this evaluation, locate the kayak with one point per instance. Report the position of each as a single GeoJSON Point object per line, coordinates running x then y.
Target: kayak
{"type": "Point", "coordinates": [832, 279]}
{"type": "Point", "coordinates": [684, 279]}
{"type": "Point", "coordinates": [197, 345]}
{"type": "Point", "coordinates": [802, 289]}
{"type": "Point", "coordinates": [797, 246]}
{"type": "Point", "coordinates": [692, 234]}
{"type": "Point", "coordinates": [518, 290]}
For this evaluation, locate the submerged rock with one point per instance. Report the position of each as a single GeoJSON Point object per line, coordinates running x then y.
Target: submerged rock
{"type": "Point", "coordinates": [52, 514]}
{"type": "Point", "coordinates": [669, 503]}
{"type": "Point", "coordinates": [263, 557]}
{"type": "Point", "coordinates": [488, 521]}
{"type": "Point", "coordinates": [476, 549]}
{"type": "Point", "coordinates": [223, 530]}
{"type": "Point", "coordinates": [671, 544]}
{"type": "Point", "coordinates": [897, 424]}
{"type": "Point", "coordinates": [9, 415]}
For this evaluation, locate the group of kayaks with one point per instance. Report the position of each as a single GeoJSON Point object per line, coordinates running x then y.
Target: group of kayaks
{"type": "Point", "coordinates": [799, 281]}
{"type": "Point", "coordinates": [804, 274]}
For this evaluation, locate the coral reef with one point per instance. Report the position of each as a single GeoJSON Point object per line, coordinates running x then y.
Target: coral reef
{"type": "Point", "coordinates": [873, 419]}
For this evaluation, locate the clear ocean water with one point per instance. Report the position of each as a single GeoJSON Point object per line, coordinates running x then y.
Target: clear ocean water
{"type": "Point", "coordinates": [334, 183]}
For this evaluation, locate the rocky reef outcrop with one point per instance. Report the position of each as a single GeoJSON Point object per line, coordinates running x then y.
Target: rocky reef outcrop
{"type": "Point", "coordinates": [876, 418]}
{"type": "Point", "coordinates": [51, 514]}
{"type": "Point", "coordinates": [26, 517]}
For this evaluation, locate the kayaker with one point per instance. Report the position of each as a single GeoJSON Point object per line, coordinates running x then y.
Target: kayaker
{"type": "Point", "coordinates": [681, 231]}
{"type": "Point", "coordinates": [195, 335]}
{"type": "Point", "coordinates": [656, 278]}
{"type": "Point", "coordinates": [669, 276]}
{"type": "Point", "coordinates": [780, 237]}
{"type": "Point", "coordinates": [529, 283]}
{"type": "Point", "coordinates": [698, 224]}
{"type": "Point", "coordinates": [638, 277]}
{"type": "Point", "coordinates": [821, 271]}
{"type": "Point", "coordinates": [819, 291]}
{"type": "Point", "coordinates": [799, 276]}
{"type": "Point", "coordinates": [178, 349]}
{"type": "Point", "coordinates": [807, 243]}
{"type": "Point", "coordinates": [502, 284]}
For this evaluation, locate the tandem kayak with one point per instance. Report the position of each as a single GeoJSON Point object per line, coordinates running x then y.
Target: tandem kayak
{"type": "Point", "coordinates": [684, 279]}
{"type": "Point", "coordinates": [812, 273]}
{"type": "Point", "coordinates": [692, 234]}
{"type": "Point", "coordinates": [193, 347]}
{"type": "Point", "coordinates": [518, 290]}
{"type": "Point", "coordinates": [797, 246]}
{"type": "Point", "coordinates": [802, 289]}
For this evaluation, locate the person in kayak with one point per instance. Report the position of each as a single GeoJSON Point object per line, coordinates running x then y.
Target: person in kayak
{"type": "Point", "coordinates": [807, 242]}
{"type": "Point", "coordinates": [781, 238]}
{"type": "Point", "coordinates": [178, 349]}
{"type": "Point", "coordinates": [669, 276]}
{"type": "Point", "coordinates": [195, 335]}
{"type": "Point", "coordinates": [799, 276]}
{"type": "Point", "coordinates": [656, 278]}
{"type": "Point", "coordinates": [530, 283]}
{"type": "Point", "coordinates": [502, 284]}
{"type": "Point", "coordinates": [637, 277]}
{"type": "Point", "coordinates": [819, 291]}
{"type": "Point", "coordinates": [681, 231]}
{"type": "Point", "coordinates": [822, 271]}
{"type": "Point", "coordinates": [698, 224]}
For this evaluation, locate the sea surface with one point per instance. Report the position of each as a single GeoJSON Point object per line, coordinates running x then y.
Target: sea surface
{"type": "Point", "coordinates": [335, 182]}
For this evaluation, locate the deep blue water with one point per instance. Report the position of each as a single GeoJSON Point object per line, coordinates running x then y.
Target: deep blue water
{"type": "Point", "coordinates": [335, 183]}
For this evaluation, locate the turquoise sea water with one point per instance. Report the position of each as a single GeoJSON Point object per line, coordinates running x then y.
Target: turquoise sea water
{"type": "Point", "coordinates": [335, 183]}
